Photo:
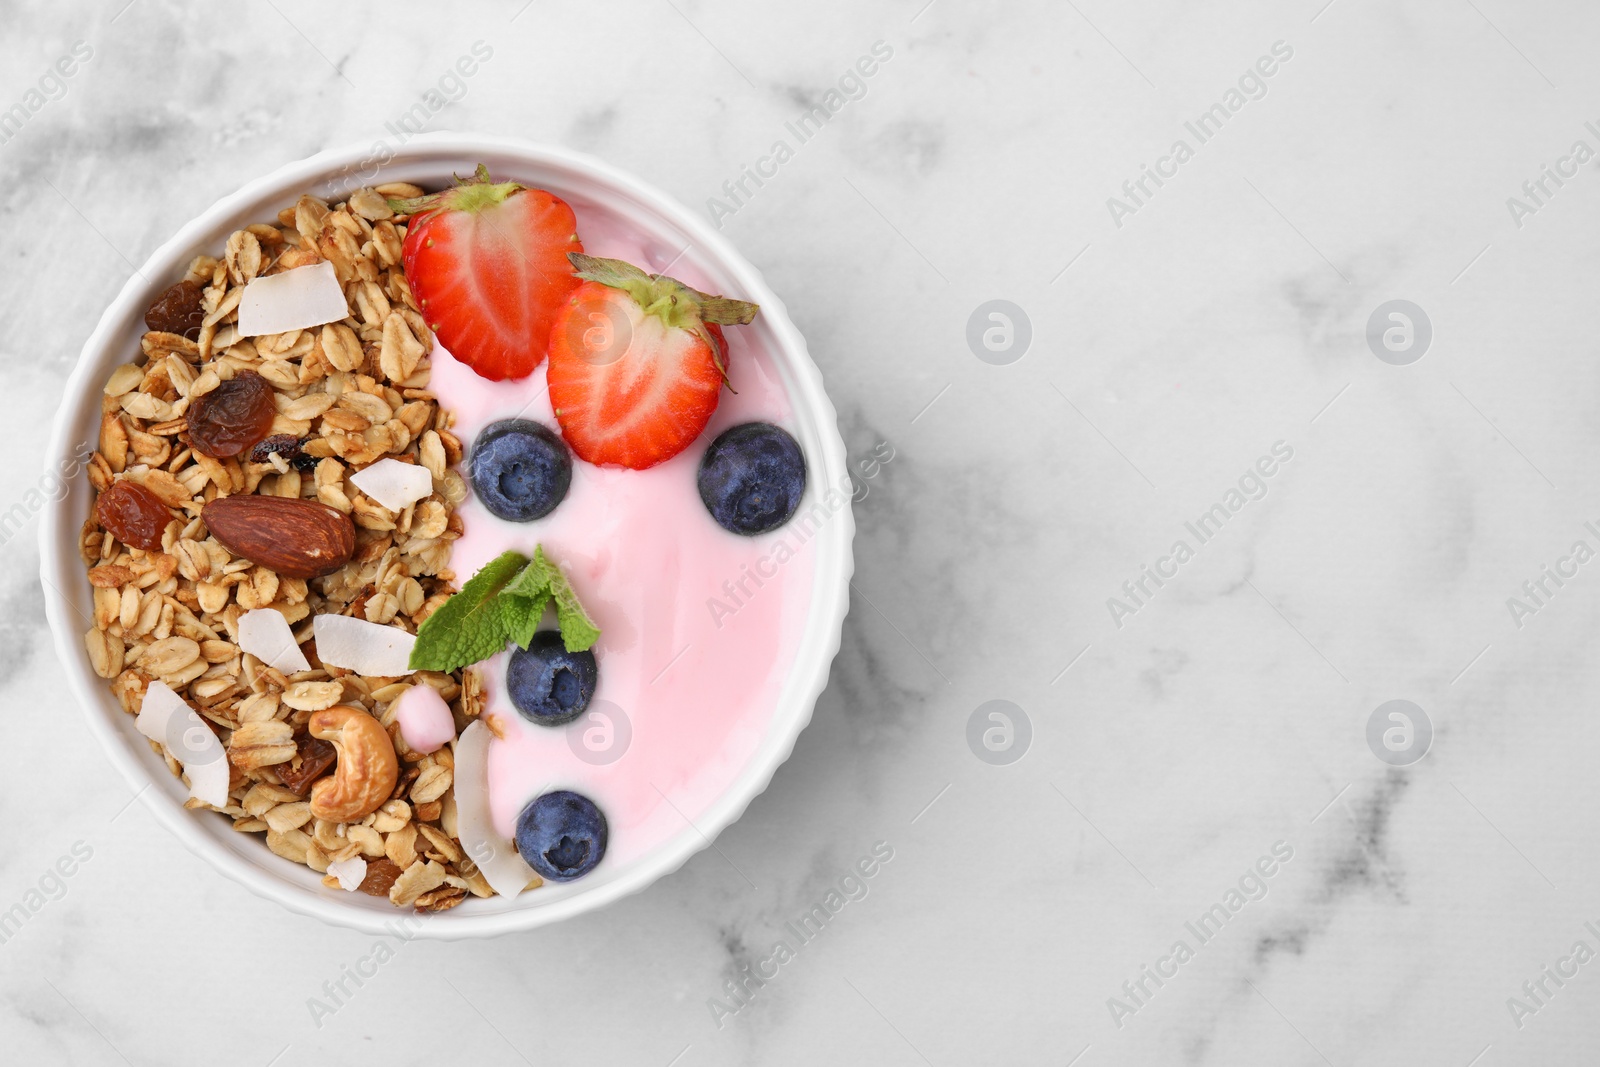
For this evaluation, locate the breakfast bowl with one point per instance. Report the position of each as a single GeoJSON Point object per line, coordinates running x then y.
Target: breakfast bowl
{"type": "Point", "coordinates": [713, 645]}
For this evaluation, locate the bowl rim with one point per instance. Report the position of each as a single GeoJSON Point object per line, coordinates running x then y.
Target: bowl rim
{"type": "Point", "coordinates": [60, 565]}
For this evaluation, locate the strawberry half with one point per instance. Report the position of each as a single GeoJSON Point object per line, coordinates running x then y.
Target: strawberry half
{"type": "Point", "coordinates": [637, 362]}
{"type": "Point", "coordinates": [488, 264]}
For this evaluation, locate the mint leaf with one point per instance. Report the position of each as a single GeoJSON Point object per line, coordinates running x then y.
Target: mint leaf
{"type": "Point", "coordinates": [525, 597]}
{"type": "Point", "coordinates": [504, 601]}
{"type": "Point", "coordinates": [530, 591]}
{"type": "Point", "coordinates": [578, 631]}
{"type": "Point", "coordinates": [534, 578]}
{"type": "Point", "coordinates": [473, 624]}
{"type": "Point", "coordinates": [523, 615]}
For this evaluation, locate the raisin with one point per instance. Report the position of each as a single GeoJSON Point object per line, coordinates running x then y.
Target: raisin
{"type": "Point", "coordinates": [178, 310]}
{"type": "Point", "coordinates": [284, 444]}
{"type": "Point", "coordinates": [134, 515]}
{"type": "Point", "coordinates": [381, 874]}
{"type": "Point", "coordinates": [232, 417]}
{"type": "Point", "coordinates": [311, 761]}
{"type": "Point", "coordinates": [288, 446]}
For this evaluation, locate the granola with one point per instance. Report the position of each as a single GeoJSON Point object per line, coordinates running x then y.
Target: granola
{"type": "Point", "coordinates": [344, 396]}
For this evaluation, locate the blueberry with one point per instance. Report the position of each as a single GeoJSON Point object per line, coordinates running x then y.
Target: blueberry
{"type": "Point", "coordinates": [752, 478]}
{"type": "Point", "coordinates": [548, 684]}
{"type": "Point", "coordinates": [520, 469]}
{"type": "Point", "coordinates": [562, 835]}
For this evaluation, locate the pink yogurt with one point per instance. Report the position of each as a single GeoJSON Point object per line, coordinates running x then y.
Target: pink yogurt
{"type": "Point", "coordinates": [425, 719]}
{"type": "Point", "coordinates": [698, 625]}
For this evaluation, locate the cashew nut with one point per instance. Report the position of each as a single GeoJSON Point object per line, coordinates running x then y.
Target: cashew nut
{"type": "Point", "coordinates": [367, 768]}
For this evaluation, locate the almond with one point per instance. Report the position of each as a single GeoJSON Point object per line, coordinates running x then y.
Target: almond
{"type": "Point", "coordinates": [296, 538]}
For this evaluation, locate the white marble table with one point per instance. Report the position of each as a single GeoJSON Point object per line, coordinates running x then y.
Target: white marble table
{"type": "Point", "coordinates": [1178, 336]}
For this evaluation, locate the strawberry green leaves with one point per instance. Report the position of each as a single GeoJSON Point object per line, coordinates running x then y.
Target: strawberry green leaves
{"type": "Point", "coordinates": [505, 601]}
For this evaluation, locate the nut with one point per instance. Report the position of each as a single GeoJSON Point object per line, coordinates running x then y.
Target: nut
{"type": "Point", "coordinates": [295, 538]}
{"type": "Point", "coordinates": [366, 769]}
{"type": "Point", "coordinates": [168, 592]}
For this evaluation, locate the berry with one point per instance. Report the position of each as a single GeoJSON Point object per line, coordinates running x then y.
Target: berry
{"type": "Point", "coordinates": [562, 835]}
{"type": "Point", "coordinates": [488, 263]}
{"type": "Point", "coordinates": [637, 362]}
{"type": "Point", "coordinates": [520, 469]}
{"type": "Point", "coordinates": [752, 478]}
{"type": "Point", "coordinates": [548, 684]}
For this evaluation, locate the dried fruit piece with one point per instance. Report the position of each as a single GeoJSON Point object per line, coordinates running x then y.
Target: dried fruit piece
{"type": "Point", "coordinates": [381, 874]}
{"type": "Point", "coordinates": [232, 417]}
{"type": "Point", "coordinates": [295, 538]}
{"type": "Point", "coordinates": [311, 761]}
{"type": "Point", "coordinates": [134, 515]}
{"type": "Point", "coordinates": [286, 445]}
{"type": "Point", "coordinates": [177, 310]}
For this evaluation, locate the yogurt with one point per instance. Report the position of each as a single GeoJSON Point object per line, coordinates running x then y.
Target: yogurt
{"type": "Point", "coordinates": [698, 626]}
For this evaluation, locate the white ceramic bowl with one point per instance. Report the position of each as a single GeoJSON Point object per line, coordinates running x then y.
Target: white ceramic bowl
{"type": "Point", "coordinates": [429, 160]}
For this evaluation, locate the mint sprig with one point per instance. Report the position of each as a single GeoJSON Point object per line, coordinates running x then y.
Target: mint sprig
{"type": "Point", "coordinates": [505, 601]}
{"type": "Point", "coordinates": [578, 631]}
{"type": "Point", "coordinates": [471, 625]}
{"type": "Point", "coordinates": [523, 616]}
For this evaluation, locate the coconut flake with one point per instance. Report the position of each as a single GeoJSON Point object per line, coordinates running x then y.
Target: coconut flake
{"type": "Point", "coordinates": [394, 484]}
{"type": "Point", "coordinates": [371, 650]}
{"type": "Point", "coordinates": [294, 300]}
{"type": "Point", "coordinates": [351, 872]}
{"type": "Point", "coordinates": [164, 716]}
{"type": "Point", "coordinates": [265, 634]}
{"type": "Point", "coordinates": [503, 867]}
